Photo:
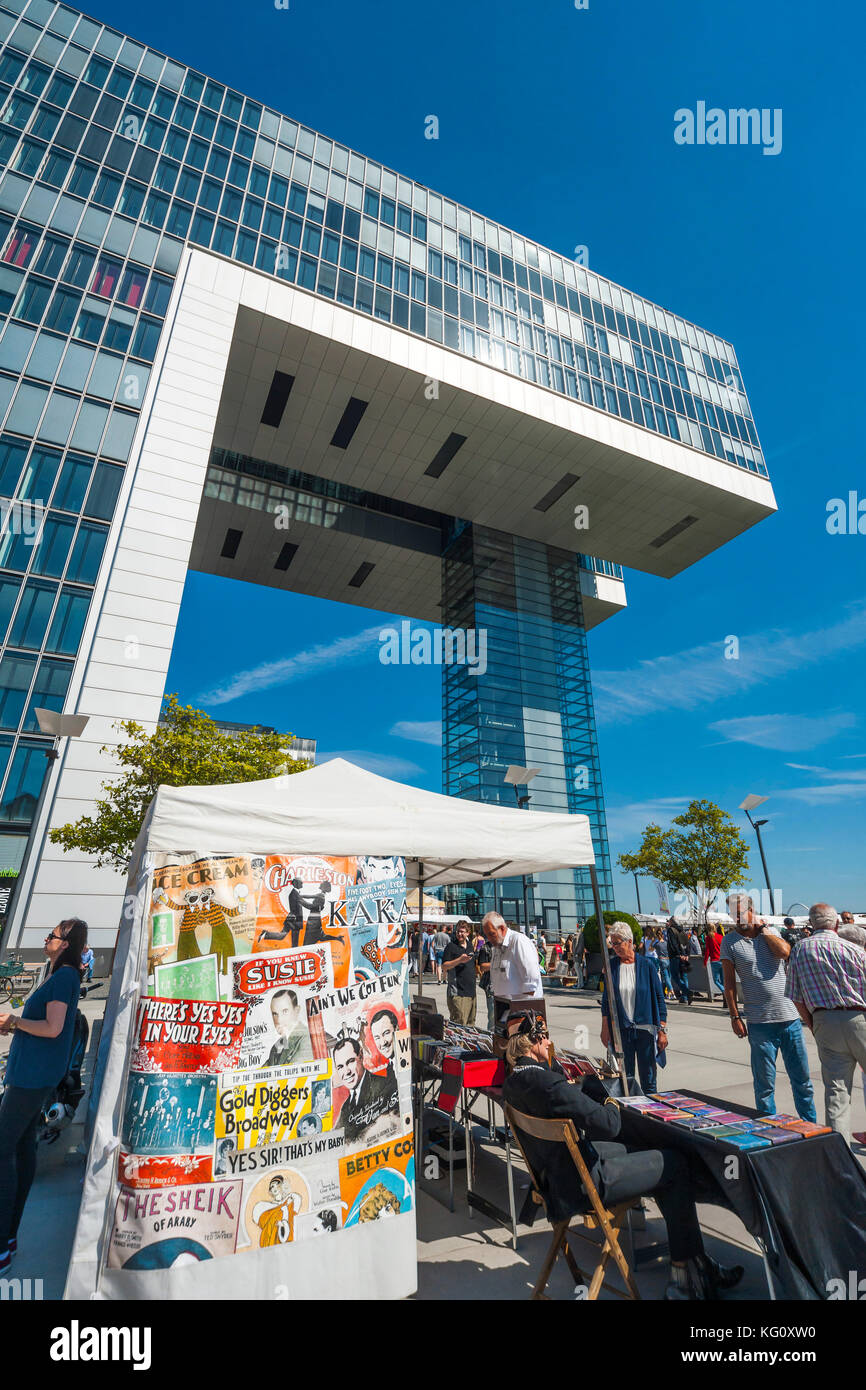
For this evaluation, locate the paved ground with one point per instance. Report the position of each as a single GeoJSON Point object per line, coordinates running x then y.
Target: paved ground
{"type": "Point", "coordinates": [474, 1254]}
{"type": "Point", "coordinates": [458, 1252]}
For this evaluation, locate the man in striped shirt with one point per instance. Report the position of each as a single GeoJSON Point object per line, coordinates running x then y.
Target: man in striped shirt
{"type": "Point", "coordinates": [827, 982]}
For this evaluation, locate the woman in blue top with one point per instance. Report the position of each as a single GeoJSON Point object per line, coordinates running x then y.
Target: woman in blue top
{"type": "Point", "coordinates": [640, 1005]}
{"type": "Point", "coordinates": [37, 1061]}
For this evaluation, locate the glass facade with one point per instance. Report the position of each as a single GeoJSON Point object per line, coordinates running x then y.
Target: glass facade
{"type": "Point", "coordinates": [531, 707]}
{"type": "Point", "coordinates": [114, 158]}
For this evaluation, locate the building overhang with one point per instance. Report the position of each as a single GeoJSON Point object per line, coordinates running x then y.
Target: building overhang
{"type": "Point", "coordinates": [360, 402]}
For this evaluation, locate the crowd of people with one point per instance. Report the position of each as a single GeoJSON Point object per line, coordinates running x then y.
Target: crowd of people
{"type": "Point", "coordinates": [774, 983]}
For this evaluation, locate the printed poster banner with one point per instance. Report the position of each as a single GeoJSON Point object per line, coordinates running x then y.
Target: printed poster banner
{"type": "Point", "coordinates": [253, 1113]}
{"type": "Point", "coordinates": [188, 1035]}
{"type": "Point", "coordinates": [161, 1229]}
{"type": "Point", "coordinates": [167, 1114]}
{"type": "Point", "coordinates": [275, 987]}
{"type": "Point", "coordinates": [163, 1170]}
{"type": "Point", "coordinates": [358, 1029]}
{"type": "Point", "coordinates": [204, 908]}
{"type": "Point", "coordinates": [376, 915]}
{"type": "Point", "coordinates": [302, 903]}
{"type": "Point", "coordinates": [285, 1200]}
{"type": "Point", "coordinates": [377, 1183]}
{"type": "Point", "coordinates": [188, 979]}
{"type": "Point", "coordinates": [268, 1089]}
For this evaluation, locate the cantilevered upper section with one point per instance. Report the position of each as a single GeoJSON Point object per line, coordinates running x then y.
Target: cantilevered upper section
{"type": "Point", "coordinates": [199, 162]}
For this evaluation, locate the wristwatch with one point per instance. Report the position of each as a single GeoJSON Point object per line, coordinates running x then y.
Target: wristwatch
{"type": "Point", "coordinates": [13, 1022]}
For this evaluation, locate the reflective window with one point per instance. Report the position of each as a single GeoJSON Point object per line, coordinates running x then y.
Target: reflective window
{"type": "Point", "coordinates": [53, 547]}
{"type": "Point", "coordinates": [68, 624]}
{"type": "Point", "coordinates": [87, 553]}
{"type": "Point", "coordinates": [49, 690]}
{"type": "Point", "coordinates": [24, 782]}
{"type": "Point", "coordinates": [34, 611]}
{"type": "Point", "coordinates": [16, 673]}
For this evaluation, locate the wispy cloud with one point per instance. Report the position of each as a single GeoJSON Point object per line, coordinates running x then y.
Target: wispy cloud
{"type": "Point", "coordinates": [784, 732]}
{"type": "Point", "coordinates": [420, 731]}
{"type": "Point", "coordinates": [628, 820]}
{"type": "Point", "coordinates": [381, 763]}
{"type": "Point", "coordinates": [353, 650]}
{"type": "Point", "coordinates": [832, 785]}
{"type": "Point", "coordinates": [688, 679]}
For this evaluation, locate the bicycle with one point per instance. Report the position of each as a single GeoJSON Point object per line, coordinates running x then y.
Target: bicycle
{"type": "Point", "coordinates": [15, 978]}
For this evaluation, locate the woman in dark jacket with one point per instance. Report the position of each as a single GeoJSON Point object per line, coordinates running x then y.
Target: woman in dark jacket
{"type": "Point", "coordinates": [37, 1062]}
{"type": "Point", "coordinates": [640, 1007]}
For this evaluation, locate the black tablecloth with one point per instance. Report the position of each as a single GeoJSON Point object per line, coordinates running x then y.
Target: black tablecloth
{"type": "Point", "coordinates": [805, 1201]}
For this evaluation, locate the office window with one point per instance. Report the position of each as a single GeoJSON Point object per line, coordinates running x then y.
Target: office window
{"type": "Point", "coordinates": [87, 553]}
{"type": "Point", "coordinates": [107, 190]}
{"type": "Point", "coordinates": [39, 475]}
{"type": "Point", "coordinates": [49, 556]}
{"type": "Point", "coordinates": [21, 246]}
{"type": "Point", "coordinates": [132, 286]}
{"type": "Point", "coordinates": [24, 782]}
{"type": "Point", "coordinates": [16, 673]}
{"type": "Point", "coordinates": [158, 295]}
{"type": "Point", "coordinates": [49, 690]}
{"type": "Point", "coordinates": [68, 623]}
{"type": "Point", "coordinates": [12, 455]}
{"type": "Point", "coordinates": [9, 591]}
{"type": "Point", "coordinates": [105, 277]}
{"type": "Point", "coordinates": [73, 483]}
{"type": "Point", "coordinates": [34, 611]}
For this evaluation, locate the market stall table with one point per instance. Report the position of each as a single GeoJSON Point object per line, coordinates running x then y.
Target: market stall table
{"type": "Point", "coordinates": [804, 1202]}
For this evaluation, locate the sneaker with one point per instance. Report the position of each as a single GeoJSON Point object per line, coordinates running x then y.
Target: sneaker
{"type": "Point", "coordinates": [688, 1283]}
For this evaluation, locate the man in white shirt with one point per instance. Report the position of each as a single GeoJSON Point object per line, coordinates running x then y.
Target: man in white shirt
{"type": "Point", "coordinates": [514, 973]}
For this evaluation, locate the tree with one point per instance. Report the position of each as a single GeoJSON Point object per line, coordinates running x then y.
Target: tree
{"type": "Point", "coordinates": [706, 856]}
{"type": "Point", "coordinates": [591, 938]}
{"type": "Point", "coordinates": [185, 749]}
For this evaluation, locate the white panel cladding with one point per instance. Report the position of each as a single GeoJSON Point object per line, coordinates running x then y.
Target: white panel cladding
{"type": "Point", "coordinates": [125, 653]}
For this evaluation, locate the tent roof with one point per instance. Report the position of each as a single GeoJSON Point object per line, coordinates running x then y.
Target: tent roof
{"type": "Point", "coordinates": [338, 808]}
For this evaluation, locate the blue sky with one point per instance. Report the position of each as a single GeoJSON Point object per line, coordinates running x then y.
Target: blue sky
{"type": "Point", "coordinates": [559, 122]}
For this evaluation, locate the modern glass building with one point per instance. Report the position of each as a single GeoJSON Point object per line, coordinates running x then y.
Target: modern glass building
{"type": "Point", "coordinates": [230, 343]}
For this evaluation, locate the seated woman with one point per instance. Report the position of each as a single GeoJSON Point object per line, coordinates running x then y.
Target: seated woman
{"type": "Point", "coordinates": [537, 1085]}
{"type": "Point", "coordinates": [640, 1007]}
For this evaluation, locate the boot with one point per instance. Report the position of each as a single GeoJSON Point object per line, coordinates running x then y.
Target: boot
{"type": "Point", "coordinates": [720, 1276]}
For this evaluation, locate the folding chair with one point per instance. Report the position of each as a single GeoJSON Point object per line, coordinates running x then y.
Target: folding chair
{"type": "Point", "coordinates": [598, 1216]}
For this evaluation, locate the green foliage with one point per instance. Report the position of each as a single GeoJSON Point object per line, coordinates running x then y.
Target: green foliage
{"type": "Point", "coordinates": [590, 928]}
{"type": "Point", "coordinates": [707, 854]}
{"type": "Point", "coordinates": [186, 749]}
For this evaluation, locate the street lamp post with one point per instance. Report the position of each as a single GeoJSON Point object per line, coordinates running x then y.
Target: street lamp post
{"type": "Point", "coordinates": [519, 777]}
{"type": "Point", "coordinates": [749, 805]}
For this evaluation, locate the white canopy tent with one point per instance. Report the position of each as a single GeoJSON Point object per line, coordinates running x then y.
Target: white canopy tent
{"type": "Point", "coordinates": [336, 809]}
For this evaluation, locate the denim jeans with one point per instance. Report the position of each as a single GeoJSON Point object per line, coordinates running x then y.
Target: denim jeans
{"type": "Point", "coordinates": [718, 975]}
{"type": "Point", "coordinates": [766, 1041]}
{"type": "Point", "coordinates": [639, 1052]}
{"type": "Point", "coordinates": [665, 971]}
{"type": "Point", "coordinates": [680, 979]}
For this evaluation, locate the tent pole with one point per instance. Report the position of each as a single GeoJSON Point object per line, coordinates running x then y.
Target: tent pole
{"type": "Point", "coordinates": [608, 983]}
{"type": "Point", "coordinates": [420, 943]}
